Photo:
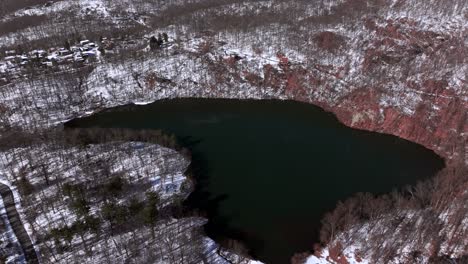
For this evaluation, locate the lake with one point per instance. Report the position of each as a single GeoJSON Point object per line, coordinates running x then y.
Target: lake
{"type": "Point", "coordinates": [268, 170]}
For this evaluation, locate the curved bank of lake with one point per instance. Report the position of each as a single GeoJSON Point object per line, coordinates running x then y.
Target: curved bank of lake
{"type": "Point", "coordinates": [268, 170]}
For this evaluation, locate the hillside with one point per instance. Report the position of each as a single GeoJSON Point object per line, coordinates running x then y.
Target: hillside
{"type": "Point", "coordinates": [391, 66]}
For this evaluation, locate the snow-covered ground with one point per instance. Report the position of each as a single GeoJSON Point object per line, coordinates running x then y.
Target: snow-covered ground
{"type": "Point", "coordinates": [405, 62]}
{"type": "Point", "coordinates": [165, 178]}
{"type": "Point", "coordinates": [348, 254]}
{"type": "Point", "coordinates": [194, 74]}
{"type": "Point", "coordinates": [405, 235]}
{"type": "Point", "coordinates": [48, 167]}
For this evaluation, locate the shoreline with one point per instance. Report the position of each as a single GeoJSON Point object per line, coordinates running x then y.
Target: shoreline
{"type": "Point", "coordinates": [130, 107]}
{"type": "Point", "coordinates": [342, 117]}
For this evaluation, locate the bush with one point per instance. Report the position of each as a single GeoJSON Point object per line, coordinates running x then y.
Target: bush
{"type": "Point", "coordinates": [25, 187]}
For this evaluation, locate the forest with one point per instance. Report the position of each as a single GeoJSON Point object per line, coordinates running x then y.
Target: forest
{"type": "Point", "coordinates": [104, 195]}
{"type": "Point", "coordinates": [396, 67]}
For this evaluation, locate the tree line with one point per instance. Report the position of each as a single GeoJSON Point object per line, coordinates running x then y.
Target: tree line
{"type": "Point", "coordinates": [96, 204]}
{"type": "Point", "coordinates": [412, 216]}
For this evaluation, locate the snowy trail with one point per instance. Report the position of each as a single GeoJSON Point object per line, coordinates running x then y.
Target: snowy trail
{"type": "Point", "coordinates": [17, 225]}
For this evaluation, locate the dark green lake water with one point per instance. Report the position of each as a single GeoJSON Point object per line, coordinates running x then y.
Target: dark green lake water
{"type": "Point", "coordinates": [268, 170]}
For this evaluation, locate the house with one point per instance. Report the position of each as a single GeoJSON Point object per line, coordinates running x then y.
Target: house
{"type": "Point", "coordinates": [51, 57]}
{"type": "Point", "coordinates": [84, 42]}
{"type": "Point", "coordinates": [91, 45]}
{"type": "Point", "coordinates": [48, 63]}
{"type": "Point", "coordinates": [24, 60]}
{"type": "Point", "coordinates": [67, 58]}
{"type": "Point", "coordinates": [78, 58]}
{"type": "Point", "coordinates": [64, 52]}
{"type": "Point", "coordinates": [89, 54]}
{"type": "Point", "coordinates": [10, 58]}
{"type": "Point", "coordinates": [75, 49]}
{"type": "Point", "coordinates": [38, 53]}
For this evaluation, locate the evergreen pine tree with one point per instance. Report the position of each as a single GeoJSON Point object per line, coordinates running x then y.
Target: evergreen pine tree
{"type": "Point", "coordinates": [67, 45]}
{"type": "Point", "coordinates": [154, 44]}
{"type": "Point", "coordinates": [160, 39]}
{"type": "Point", "coordinates": [25, 187]}
{"type": "Point", "coordinates": [150, 212]}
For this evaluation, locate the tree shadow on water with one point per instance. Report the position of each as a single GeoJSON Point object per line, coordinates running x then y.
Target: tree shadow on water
{"type": "Point", "coordinates": [202, 201]}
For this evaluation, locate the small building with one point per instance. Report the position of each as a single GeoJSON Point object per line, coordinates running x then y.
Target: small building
{"type": "Point", "coordinates": [24, 60]}
{"type": "Point", "coordinates": [89, 54]}
{"type": "Point", "coordinates": [10, 58]}
{"type": "Point", "coordinates": [38, 53]}
{"type": "Point", "coordinates": [64, 52]}
{"type": "Point", "coordinates": [48, 63]}
{"type": "Point", "coordinates": [75, 49]}
{"type": "Point", "coordinates": [91, 45]}
{"type": "Point", "coordinates": [68, 57]}
{"type": "Point", "coordinates": [78, 58]}
{"type": "Point", "coordinates": [84, 42]}
{"type": "Point", "coordinates": [51, 57]}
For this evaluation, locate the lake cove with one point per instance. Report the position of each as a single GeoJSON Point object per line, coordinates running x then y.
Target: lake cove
{"type": "Point", "coordinates": [268, 170]}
